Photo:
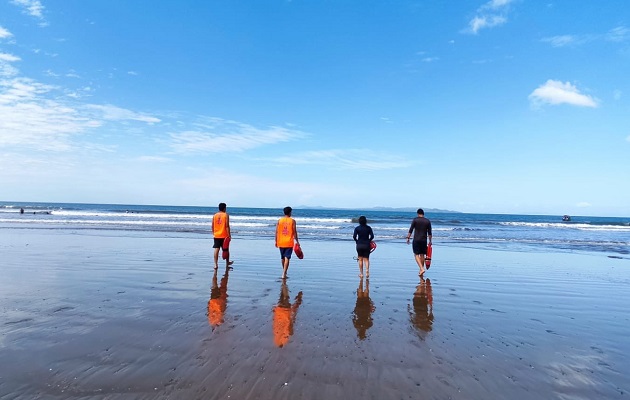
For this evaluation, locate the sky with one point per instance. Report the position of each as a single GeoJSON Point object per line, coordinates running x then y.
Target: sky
{"type": "Point", "coordinates": [500, 106]}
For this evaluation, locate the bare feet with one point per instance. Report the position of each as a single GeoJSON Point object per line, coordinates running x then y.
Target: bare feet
{"type": "Point", "coordinates": [360, 275]}
{"type": "Point", "coordinates": [421, 272]}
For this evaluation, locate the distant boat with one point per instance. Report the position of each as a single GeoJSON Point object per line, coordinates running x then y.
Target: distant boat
{"type": "Point", "coordinates": [566, 218]}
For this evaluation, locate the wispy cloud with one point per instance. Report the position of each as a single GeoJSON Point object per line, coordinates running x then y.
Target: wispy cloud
{"type": "Point", "coordinates": [354, 159]}
{"type": "Point", "coordinates": [491, 14]}
{"type": "Point", "coordinates": [564, 40]}
{"type": "Point", "coordinates": [556, 92]}
{"type": "Point", "coordinates": [33, 8]}
{"type": "Point", "coordinates": [628, 139]}
{"type": "Point", "coordinates": [219, 135]}
{"type": "Point", "coordinates": [4, 33]}
{"type": "Point", "coordinates": [112, 113]}
{"type": "Point", "coordinates": [583, 204]}
{"type": "Point", "coordinates": [617, 34]}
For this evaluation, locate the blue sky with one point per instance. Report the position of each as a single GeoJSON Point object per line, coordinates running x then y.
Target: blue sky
{"type": "Point", "coordinates": [501, 106]}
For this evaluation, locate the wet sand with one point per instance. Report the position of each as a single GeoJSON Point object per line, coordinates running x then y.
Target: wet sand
{"type": "Point", "coordinates": [97, 315]}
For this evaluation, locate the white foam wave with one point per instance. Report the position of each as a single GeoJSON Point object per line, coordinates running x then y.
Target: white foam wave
{"type": "Point", "coordinates": [586, 227]}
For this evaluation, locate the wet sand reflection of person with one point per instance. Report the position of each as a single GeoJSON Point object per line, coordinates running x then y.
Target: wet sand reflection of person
{"type": "Point", "coordinates": [284, 314]}
{"type": "Point", "coordinates": [218, 300]}
{"type": "Point", "coordinates": [421, 317]}
{"type": "Point", "coordinates": [362, 315]}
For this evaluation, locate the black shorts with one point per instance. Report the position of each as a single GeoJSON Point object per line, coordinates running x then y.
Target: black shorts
{"type": "Point", "coordinates": [286, 252]}
{"type": "Point", "coordinates": [218, 243]}
{"type": "Point", "coordinates": [419, 246]}
{"type": "Point", "coordinates": [363, 250]}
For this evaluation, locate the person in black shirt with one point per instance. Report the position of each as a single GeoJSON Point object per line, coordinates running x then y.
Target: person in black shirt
{"type": "Point", "coordinates": [421, 229]}
{"type": "Point", "coordinates": [363, 235]}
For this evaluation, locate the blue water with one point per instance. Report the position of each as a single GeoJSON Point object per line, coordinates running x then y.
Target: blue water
{"type": "Point", "coordinates": [610, 235]}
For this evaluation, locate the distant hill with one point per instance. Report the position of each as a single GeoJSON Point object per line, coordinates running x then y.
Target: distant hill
{"type": "Point", "coordinates": [412, 209]}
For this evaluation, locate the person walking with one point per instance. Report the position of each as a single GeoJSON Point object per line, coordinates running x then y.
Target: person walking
{"type": "Point", "coordinates": [221, 231]}
{"type": "Point", "coordinates": [422, 236]}
{"type": "Point", "coordinates": [363, 235]}
{"type": "Point", "coordinates": [286, 237]}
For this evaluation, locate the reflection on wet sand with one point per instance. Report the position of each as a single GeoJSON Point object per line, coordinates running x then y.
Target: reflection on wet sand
{"type": "Point", "coordinates": [421, 316]}
{"type": "Point", "coordinates": [218, 300]}
{"type": "Point", "coordinates": [284, 314]}
{"type": "Point", "coordinates": [362, 315]}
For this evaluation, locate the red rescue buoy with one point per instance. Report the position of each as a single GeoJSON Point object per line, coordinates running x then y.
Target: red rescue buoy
{"type": "Point", "coordinates": [226, 248]}
{"type": "Point", "coordinates": [298, 251]}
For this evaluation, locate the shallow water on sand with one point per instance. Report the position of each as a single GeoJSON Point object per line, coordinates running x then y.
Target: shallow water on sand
{"type": "Point", "coordinates": [98, 315]}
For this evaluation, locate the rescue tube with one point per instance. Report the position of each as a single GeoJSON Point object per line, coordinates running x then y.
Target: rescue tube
{"type": "Point", "coordinates": [427, 259]}
{"type": "Point", "coordinates": [225, 254]}
{"type": "Point", "coordinates": [298, 251]}
{"type": "Point", "coordinates": [372, 246]}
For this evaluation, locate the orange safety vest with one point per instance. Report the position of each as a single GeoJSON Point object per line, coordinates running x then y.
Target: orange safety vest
{"type": "Point", "coordinates": [219, 225]}
{"type": "Point", "coordinates": [284, 232]}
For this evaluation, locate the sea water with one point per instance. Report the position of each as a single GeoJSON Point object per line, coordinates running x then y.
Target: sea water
{"type": "Point", "coordinates": [498, 231]}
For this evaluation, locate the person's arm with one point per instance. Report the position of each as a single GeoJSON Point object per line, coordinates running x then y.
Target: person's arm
{"type": "Point", "coordinates": [430, 233]}
{"type": "Point", "coordinates": [212, 225]}
{"type": "Point", "coordinates": [277, 224]}
{"type": "Point", "coordinates": [354, 235]}
{"type": "Point", "coordinates": [227, 225]}
{"type": "Point", "coordinates": [295, 231]}
{"type": "Point", "coordinates": [371, 235]}
{"type": "Point", "coordinates": [410, 231]}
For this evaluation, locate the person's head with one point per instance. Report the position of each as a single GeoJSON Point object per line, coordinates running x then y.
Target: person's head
{"type": "Point", "coordinates": [222, 207]}
{"type": "Point", "coordinates": [362, 220]}
{"type": "Point", "coordinates": [420, 211]}
{"type": "Point", "coordinates": [288, 211]}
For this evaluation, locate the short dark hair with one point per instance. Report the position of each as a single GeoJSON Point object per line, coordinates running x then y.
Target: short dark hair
{"type": "Point", "coordinates": [362, 220]}
{"type": "Point", "coordinates": [420, 211]}
{"type": "Point", "coordinates": [287, 210]}
{"type": "Point", "coordinates": [222, 206]}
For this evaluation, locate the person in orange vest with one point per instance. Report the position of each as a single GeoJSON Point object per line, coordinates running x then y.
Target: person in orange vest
{"type": "Point", "coordinates": [221, 231]}
{"type": "Point", "coordinates": [286, 236]}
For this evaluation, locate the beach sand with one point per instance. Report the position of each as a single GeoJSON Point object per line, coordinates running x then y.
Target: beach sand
{"type": "Point", "coordinates": [135, 315]}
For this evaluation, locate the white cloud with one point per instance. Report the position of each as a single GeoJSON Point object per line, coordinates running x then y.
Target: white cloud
{"type": "Point", "coordinates": [496, 4]}
{"type": "Point", "coordinates": [555, 92]}
{"type": "Point", "coordinates": [628, 139]}
{"type": "Point", "coordinates": [617, 94]}
{"type": "Point", "coordinates": [486, 21]}
{"type": "Point", "coordinates": [9, 57]}
{"type": "Point", "coordinates": [33, 8]}
{"type": "Point", "coordinates": [583, 204]}
{"type": "Point", "coordinates": [354, 159]}
{"type": "Point", "coordinates": [32, 116]}
{"type": "Point", "coordinates": [491, 14]}
{"type": "Point", "coordinates": [229, 136]}
{"type": "Point", "coordinates": [4, 33]}
{"type": "Point", "coordinates": [430, 59]}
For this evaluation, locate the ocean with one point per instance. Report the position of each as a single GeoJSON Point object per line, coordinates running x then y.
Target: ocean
{"type": "Point", "coordinates": [609, 235]}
